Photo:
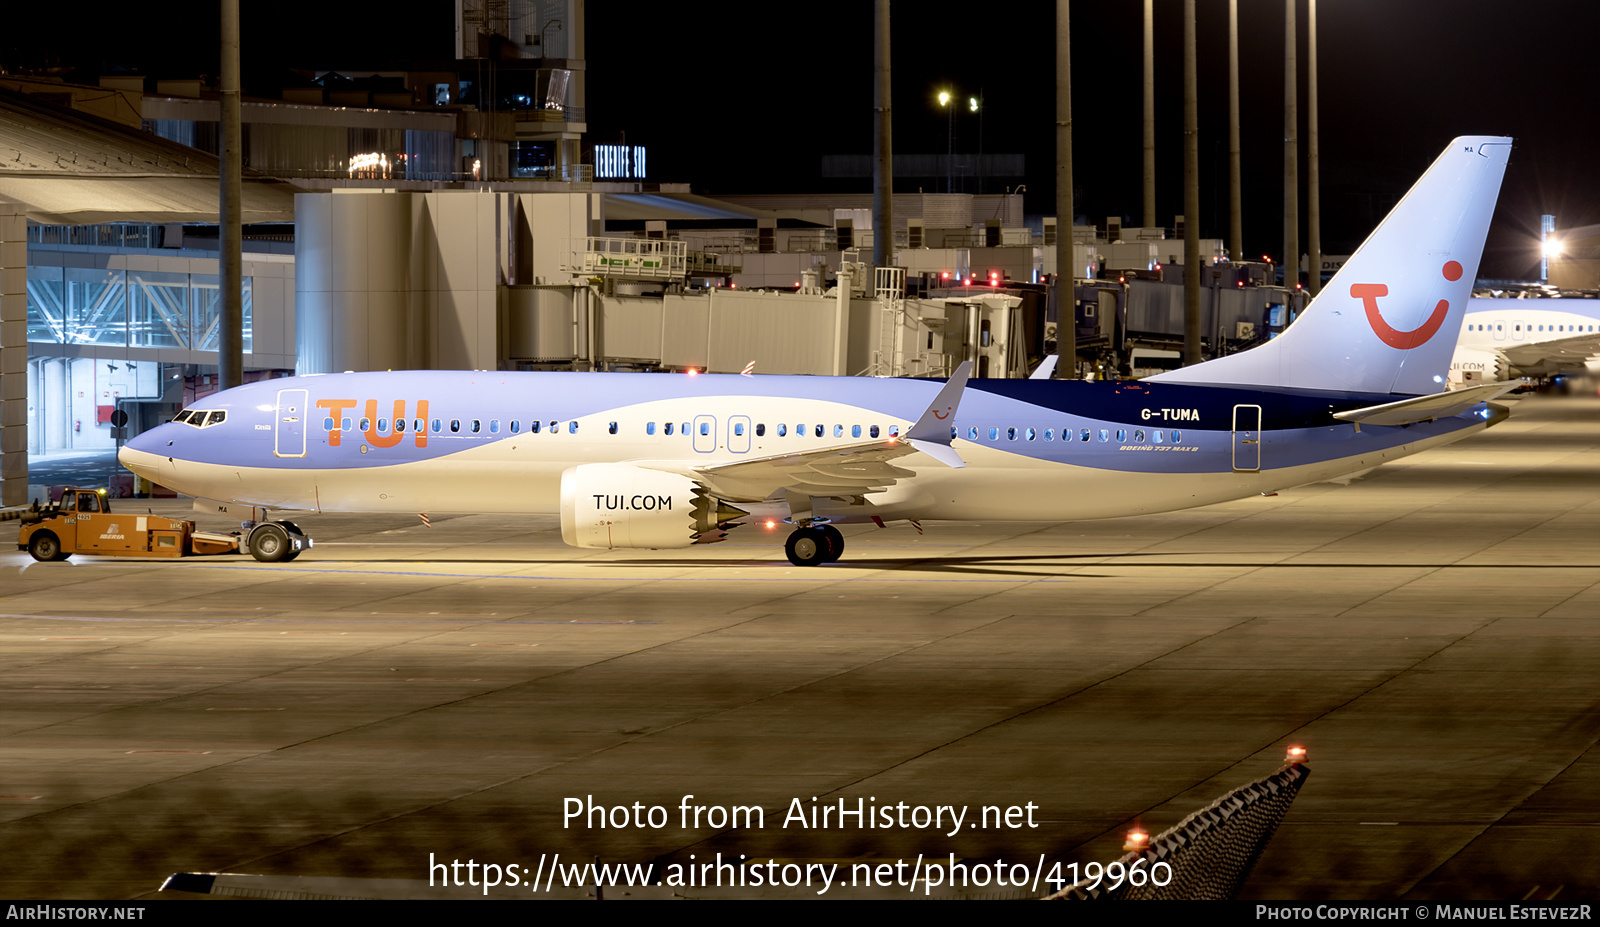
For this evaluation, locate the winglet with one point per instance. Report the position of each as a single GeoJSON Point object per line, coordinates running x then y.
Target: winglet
{"type": "Point", "coordinates": [932, 432]}
{"type": "Point", "coordinates": [1047, 368]}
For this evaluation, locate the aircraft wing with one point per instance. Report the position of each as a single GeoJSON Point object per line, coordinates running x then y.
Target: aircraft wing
{"type": "Point", "coordinates": [1560, 352]}
{"type": "Point", "coordinates": [846, 470]}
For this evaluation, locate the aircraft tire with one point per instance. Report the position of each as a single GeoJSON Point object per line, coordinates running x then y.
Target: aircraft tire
{"type": "Point", "coordinates": [807, 547]}
{"type": "Point", "coordinates": [269, 543]}
{"type": "Point", "coordinates": [835, 542]}
{"type": "Point", "coordinates": [46, 547]}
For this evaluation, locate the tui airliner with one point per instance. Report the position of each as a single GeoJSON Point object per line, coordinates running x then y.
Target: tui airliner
{"type": "Point", "coordinates": [1506, 338]}
{"type": "Point", "coordinates": [653, 460]}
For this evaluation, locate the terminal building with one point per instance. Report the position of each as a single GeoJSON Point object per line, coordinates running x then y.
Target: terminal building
{"type": "Point", "coordinates": [415, 217]}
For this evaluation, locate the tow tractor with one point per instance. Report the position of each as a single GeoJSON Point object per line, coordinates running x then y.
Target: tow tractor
{"type": "Point", "coordinates": [83, 523]}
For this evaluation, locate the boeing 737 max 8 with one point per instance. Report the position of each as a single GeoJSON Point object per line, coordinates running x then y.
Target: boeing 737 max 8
{"type": "Point", "coordinates": [665, 461]}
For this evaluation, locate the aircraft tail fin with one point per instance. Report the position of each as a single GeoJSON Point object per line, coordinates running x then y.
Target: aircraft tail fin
{"type": "Point", "coordinates": [1388, 321]}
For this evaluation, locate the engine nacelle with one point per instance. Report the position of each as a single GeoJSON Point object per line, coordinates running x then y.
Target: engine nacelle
{"type": "Point", "coordinates": [1474, 366]}
{"type": "Point", "coordinates": [619, 505]}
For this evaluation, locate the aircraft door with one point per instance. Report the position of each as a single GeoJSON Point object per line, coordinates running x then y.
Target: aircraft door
{"type": "Point", "coordinates": [739, 434]}
{"type": "Point", "coordinates": [705, 433]}
{"type": "Point", "coordinates": [289, 434]}
{"type": "Point", "coordinates": [1246, 438]}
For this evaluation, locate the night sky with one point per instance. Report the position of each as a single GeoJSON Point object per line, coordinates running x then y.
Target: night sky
{"type": "Point", "coordinates": [736, 98]}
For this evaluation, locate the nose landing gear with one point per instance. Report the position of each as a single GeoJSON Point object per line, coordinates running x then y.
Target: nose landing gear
{"type": "Point", "coordinates": [814, 544]}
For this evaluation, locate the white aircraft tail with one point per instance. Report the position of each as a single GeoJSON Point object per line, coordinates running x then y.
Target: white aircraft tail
{"type": "Point", "coordinates": [1388, 321]}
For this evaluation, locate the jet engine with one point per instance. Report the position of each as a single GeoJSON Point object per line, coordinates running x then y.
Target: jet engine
{"type": "Point", "coordinates": [1470, 365]}
{"type": "Point", "coordinates": [619, 505]}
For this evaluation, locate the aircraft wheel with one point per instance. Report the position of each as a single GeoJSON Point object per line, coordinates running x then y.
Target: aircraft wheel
{"type": "Point", "coordinates": [269, 543]}
{"type": "Point", "coordinates": [46, 547]}
{"type": "Point", "coordinates": [807, 547]}
{"type": "Point", "coordinates": [835, 542]}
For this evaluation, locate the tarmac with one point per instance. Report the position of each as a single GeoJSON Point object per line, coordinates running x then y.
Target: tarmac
{"type": "Point", "coordinates": [403, 693]}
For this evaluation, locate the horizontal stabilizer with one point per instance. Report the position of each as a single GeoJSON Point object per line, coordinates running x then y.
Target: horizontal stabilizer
{"type": "Point", "coordinates": [1425, 408]}
{"type": "Point", "coordinates": [1046, 368]}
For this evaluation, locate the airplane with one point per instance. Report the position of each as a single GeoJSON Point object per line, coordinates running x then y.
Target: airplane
{"type": "Point", "coordinates": [654, 460]}
{"type": "Point", "coordinates": [1506, 338]}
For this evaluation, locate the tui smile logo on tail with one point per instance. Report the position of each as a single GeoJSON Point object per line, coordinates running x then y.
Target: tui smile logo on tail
{"type": "Point", "coordinates": [1368, 293]}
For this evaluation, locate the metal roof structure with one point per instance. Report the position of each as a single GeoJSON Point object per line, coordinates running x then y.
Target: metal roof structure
{"type": "Point", "coordinates": [68, 168]}
{"type": "Point", "coordinates": [629, 212]}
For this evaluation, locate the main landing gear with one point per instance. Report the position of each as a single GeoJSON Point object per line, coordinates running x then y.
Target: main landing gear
{"type": "Point", "coordinates": [814, 544]}
{"type": "Point", "coordinates": [276, 541]}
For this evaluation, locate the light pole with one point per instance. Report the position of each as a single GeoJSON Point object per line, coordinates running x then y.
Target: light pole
{"type": "Point", "coordinates": [950, 136]}
{"type": "Point", "coordinates": [974, 106]}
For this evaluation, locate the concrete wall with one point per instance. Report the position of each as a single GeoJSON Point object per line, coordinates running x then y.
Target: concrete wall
{"type": "Point", "coordinates": [412, 279]}
{"type": "Point", "coordinates": [13, 355]}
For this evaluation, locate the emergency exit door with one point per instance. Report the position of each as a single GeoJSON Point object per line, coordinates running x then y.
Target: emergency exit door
{"type": "Point", "coordinates": [289, 438]}
{"type": "Point", "coordinates": [1246, 438]}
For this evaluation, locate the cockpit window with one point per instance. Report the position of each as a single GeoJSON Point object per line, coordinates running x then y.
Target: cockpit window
{"type": "Point", "coordinates": [200, 418]}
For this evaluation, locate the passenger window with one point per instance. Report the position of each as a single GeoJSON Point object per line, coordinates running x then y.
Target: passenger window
{"type": "Point", "coordinates": [1156, 435]}
{"type": "Point", "coordinates": [1177, 438]}
{"type": "Point", "coordinates": [761, 430]}
{"type": "Point", "coordinates": [1011, 434]}
{"type": "Point", "coordinates": [436, 426]}
{"type": "Point", "coordinates": [572, 427]}
{"type": "Point", "coordinates": [855, 431]}
{"type": "Point", "coordinates": [366, 423]}
{"type": "Point", "coordinates": [1122, 435]}
{"type": "Point", "coordinates": [494, 426]}
{"type": "Point", "coordinates": [383, 426]}
{"type": "Point", "coordinates": [649, 428]}
{"type": "Point", "coordinates": [455, 426]}
{"type": "Point", "coordinates": [477, 426]}
{"type": "Point", "coordinates": [738, 429]}
{"type": "Point", "coordinates": [994, 434]}
{"type": "Point", "coordinates": [612, 428]}
{"type": "Point", "coordinates": [399, 425]}
{"type": "Point", "coordinates": [515, 425]}
{"type": "Point", "coordinates": [1105, 435]}
{"type": "Point", "coordinates": [1032, 434]}
{"type": "Point", "coordinates": [894, 431]}
{"type": "Point", "coordinates": [667, 429]}
{"type": "Point", "coordinates": [705, 428]}
{"type": "Point", "coordinates": [1084, 436]}
{"type": "Point", "coordinates": [783, 430]}
{"type": "Point", "coordinates": [838, 431]}
{"type": "Point", "coordinates": [972, 433]}
{"type": "Point", "coordinates": [799, 431]}
{"type": "Point", "coordinates": [327, 424]}
{"type": "Point", "coordinates": [873, 432]}
{"type": "Point", "coordinates": [1049, 434]}
{"type": "Point", "coordinates": [1138, 436]}
{"type": "Point", "coordinates": [533, 428]}
{"type": "Point", "coordinates": [817, 431]}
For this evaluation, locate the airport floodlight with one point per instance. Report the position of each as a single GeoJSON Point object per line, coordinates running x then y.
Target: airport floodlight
{"type": "Point", "coordinates": [944, 98]}
{"type": "Point", "coordinates": [972, 104]}
{"type": "Point", "coordinates": [1552, 248]}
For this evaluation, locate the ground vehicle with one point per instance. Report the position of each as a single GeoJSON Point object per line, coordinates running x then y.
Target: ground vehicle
{"type": "Point", "coordinates": [83, 523]}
